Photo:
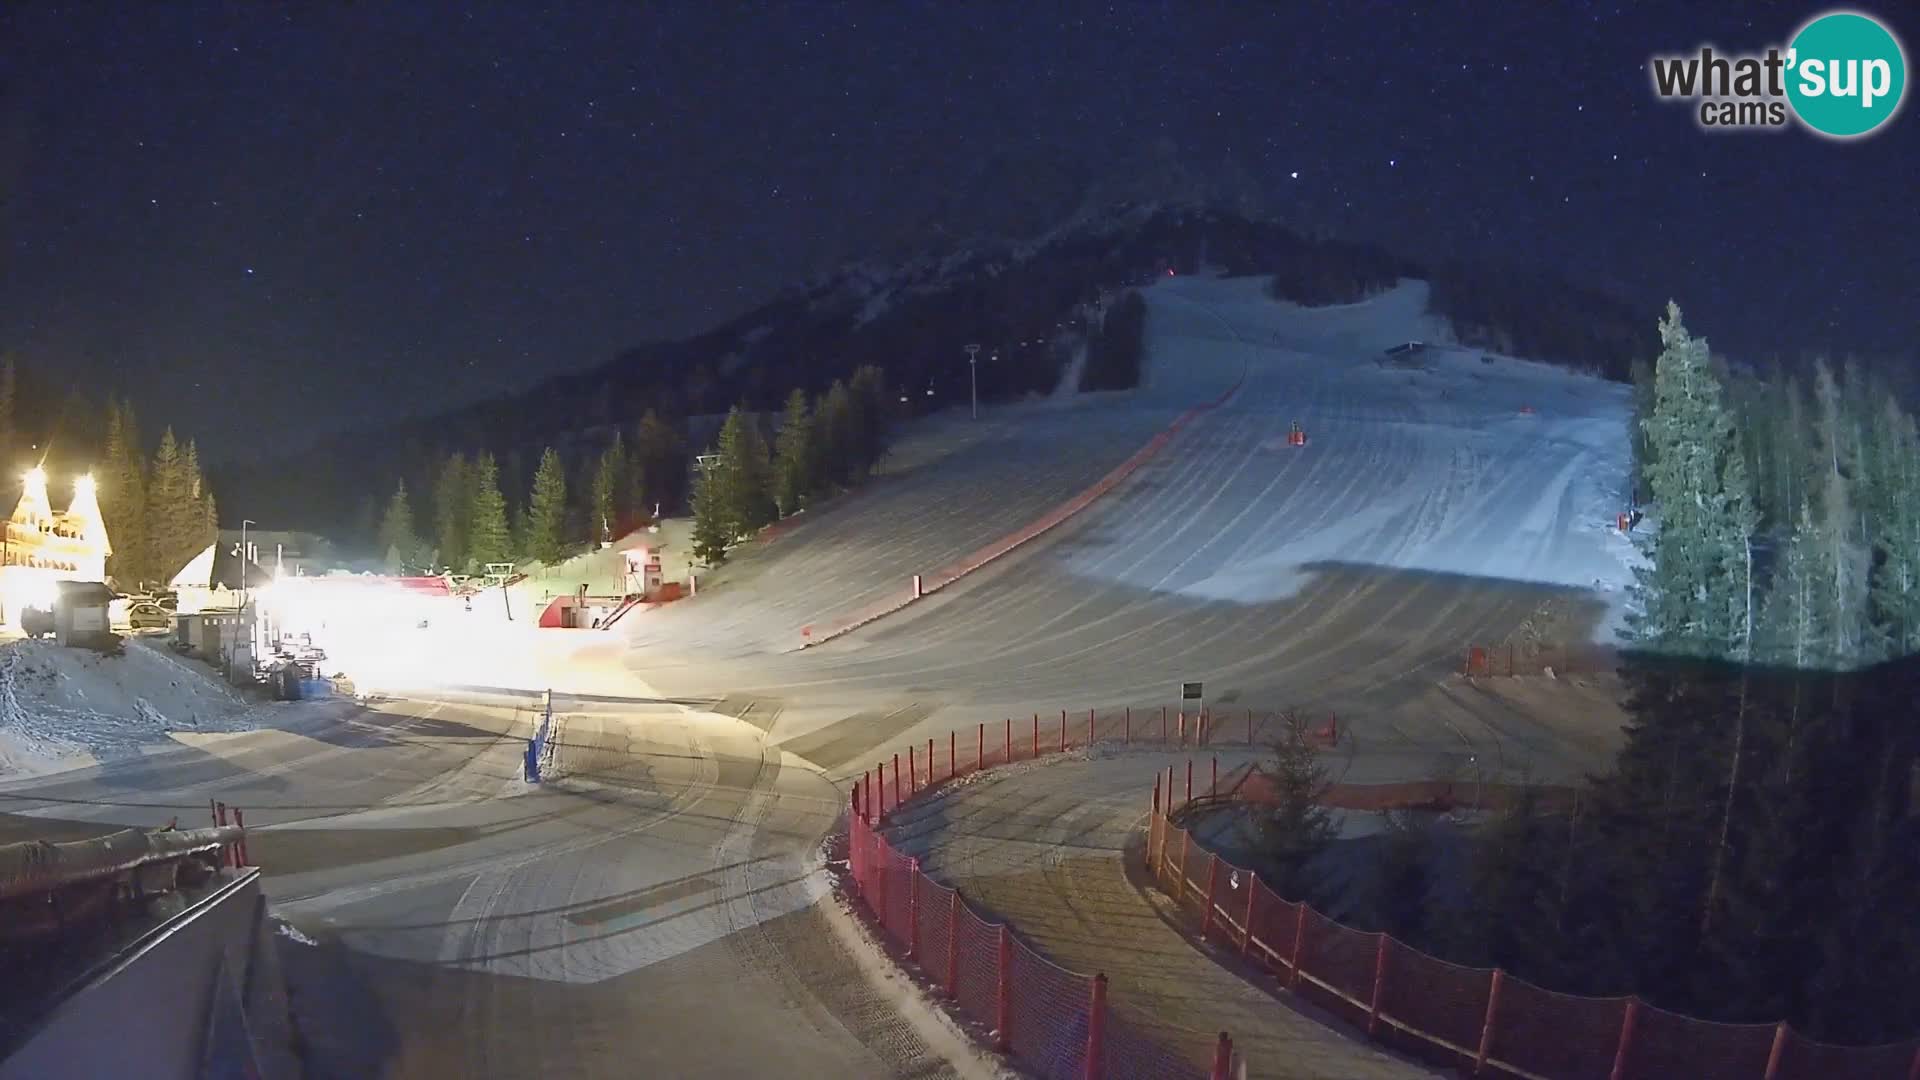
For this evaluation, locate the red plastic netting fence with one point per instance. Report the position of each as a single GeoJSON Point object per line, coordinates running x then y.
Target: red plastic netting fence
{"type": "Point", "coordinates": [1483, 1021]}
{"type": "Point", "coordinates": [1443, 1003]}
{"type": "Point", "coordinates": [1040, 1013]}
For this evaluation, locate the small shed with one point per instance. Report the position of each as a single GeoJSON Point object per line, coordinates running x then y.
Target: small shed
{"type": "Point", "coordinates": [80, 612]}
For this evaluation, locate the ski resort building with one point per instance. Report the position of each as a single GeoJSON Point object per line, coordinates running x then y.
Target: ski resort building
{"type": "Point", "coordinates": [42, 546]}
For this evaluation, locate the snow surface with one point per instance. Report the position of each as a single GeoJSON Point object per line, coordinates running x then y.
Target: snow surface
{"type": "Point", "coordinates": [63, 708]}
{"type": "Point", "coordinates": [1457, 462]}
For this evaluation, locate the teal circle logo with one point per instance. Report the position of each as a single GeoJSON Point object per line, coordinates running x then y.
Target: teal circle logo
{"type": "Point", "coordinates": [1846, 74]}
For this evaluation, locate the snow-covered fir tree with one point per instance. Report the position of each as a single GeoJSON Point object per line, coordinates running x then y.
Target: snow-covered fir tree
{"type": "Point", "coordinates": [1697, 594]}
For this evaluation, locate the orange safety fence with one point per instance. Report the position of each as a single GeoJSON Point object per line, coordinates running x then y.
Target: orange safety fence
{"type": "Point", "coordinates": [1482, 1021]}
{"type": "Point", "coordinates": [921, 585]}
{"type": "Point", "coordinates": [1049, 1019]}
{"type": "Point", "coordinates": [1512, 659]}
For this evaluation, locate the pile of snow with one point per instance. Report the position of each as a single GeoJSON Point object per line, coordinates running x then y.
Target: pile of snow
{"type": "Point", "coordinates": [66, 707]}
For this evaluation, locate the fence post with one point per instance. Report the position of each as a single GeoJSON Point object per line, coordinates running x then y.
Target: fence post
{"type": "Point", "coordinates": [1249, 727]}
{"type": "Point", "coordinates": [1189, 779]}
{"type": "Point", "coordinates": [1629, 1018]}
{"type": "Point", "coordinates": [1097, 1028]}
{"type": "Point", "coordinates": [1299, 943]}
{"type": "Point", "coordinates": [1163, 723]}
{"type": "Point", "coordinates": [1222, 1058]}
{"type": "Point", "coordinates": [980, 748]}
{"type": "Point", "coordinates": [913, 772]}
{"type": "Point", "coordinates": [213, 812]}
{"type": "Point", "coordinates": [1486, 1026]}
{"type": "Point", "coordinates": [1213, 785]}
{"type": "Point", "coordinates": [929, 761]}
{"type": "Point", "coordinates": [913, 908]}
{"type": "Point", "coordinates": [953, 754]}
{"type": "Point", "coordinates": [1063, 731]}
{"type": "Point", "coordinates": [1379, 987]}
{"type": "Point", "coordinates": [1182, 732]}
{"type": "Point", "coordinates": [1774, 1053]}
{"type": "Point", "coordinates": [896, 780]}
{"type": "Point", "coordinates": [1213, 883]}
{"type": "Point", "coordinates": [1090, 739]}
{"type": "Point", "coordinates": [953, 943]}
{"type": "Point", "coordinates": [1036, 735]}
{"type": "Point", "coordinates": [1126, 726]}
{"type": "Point", "coordinates": [1003, 1038]}
{"type": "Point", "coordinates": [1246, 938]}
{"type": "Point", "coordinates": [1009, 760]}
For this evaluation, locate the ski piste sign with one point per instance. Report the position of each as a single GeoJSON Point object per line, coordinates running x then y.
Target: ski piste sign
{"type": "Point", "coordinates": [1842, 75]}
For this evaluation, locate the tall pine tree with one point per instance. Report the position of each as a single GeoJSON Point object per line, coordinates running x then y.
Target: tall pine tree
{"type": "Point", "coordinates": [1697, 595]}
{"type": "Point", "coordinates": [488, 539]}
{"type": "Point", "coordinates": [1896, 578]}
{"type": "Point", "coordinates": [1846, 558]}
{"type": "Point", "coordinates": [398, 541]}
{"type": "Point", "coordinates": [174, 519]}
{"type": "Point", "coordinates": [713, 524]}
{"type": "Point", "coordinates": [794, 467]}
{"type": "Point", "coordinates": [609, 491]}
{"type": "Point", "coordinates": [546, 522]}
{"type": "Point", "coordinates": [452, 510]}
{"type": "Point", "coordinates": [743, 474]}
{"type": "Point", "coordinates": [123, 497]}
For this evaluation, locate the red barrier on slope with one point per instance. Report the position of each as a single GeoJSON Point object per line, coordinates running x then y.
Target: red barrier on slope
{"type": "Point", "coordinates": [922, 585]}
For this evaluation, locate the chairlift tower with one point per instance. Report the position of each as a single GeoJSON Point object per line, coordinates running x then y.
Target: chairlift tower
{"type": "Point", "coordinates": [973, 377]}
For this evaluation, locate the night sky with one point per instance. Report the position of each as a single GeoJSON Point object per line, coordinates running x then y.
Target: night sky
{"type": "Point", "coordinates": [265, 221]}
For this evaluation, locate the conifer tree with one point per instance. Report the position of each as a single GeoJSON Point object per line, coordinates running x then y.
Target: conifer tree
{"type": "Point", "coordinates": [1697, 596]}
{"type": "Point", "coordinates": [609, 490]}
{"type": "Point", "coordinates": [836, 438]}
{"type": "Point", "coordinates": [1643, 400]}
{"type": "Point", "coordinates": [123, 496]}
{"type": "Point", "coordinates": [488, 538]}
{"type": "Point", "coordinates": [1297, 826]}
{"type": "Point", "coordinates": [174, 519]}
{"type": "Point", "coordinates": [398, 540]}
{"type": "Point", "coordinates": [742, 475]}
{"type": "Point", "coordinates": [868, 395]}
{"type": "Point", "coordinates": [660, 465]}
{"type": "Point", "coordinates": [546, 520]}
{"type": "Point", "coordinates": [794, 467]}
{"type": "Point", "coordinates": [713, 526]}
{"type": "Point", "coordinates": [1845, 557]}
{"type": "Point", "coordinates": [1896, 578]}
{"type": "Point", "coordinates": [452, 510]}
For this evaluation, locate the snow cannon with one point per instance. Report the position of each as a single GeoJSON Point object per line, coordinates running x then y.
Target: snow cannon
{"type": "Point", "coordinates": [1296, 437]}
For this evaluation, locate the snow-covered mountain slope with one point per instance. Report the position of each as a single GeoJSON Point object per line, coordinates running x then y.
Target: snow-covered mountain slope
{"type": "Point", "coordinates": [1428, 509]}
{"type": "Point", "coordinates": [1448, 461]}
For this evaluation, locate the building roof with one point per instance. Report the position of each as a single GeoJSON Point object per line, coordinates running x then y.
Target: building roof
{"type": "Point", "coordinates": [84, 592]}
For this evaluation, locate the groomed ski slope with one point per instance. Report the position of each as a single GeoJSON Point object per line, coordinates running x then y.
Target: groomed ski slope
{"type": "Point", "coordinates": [1426, 511]}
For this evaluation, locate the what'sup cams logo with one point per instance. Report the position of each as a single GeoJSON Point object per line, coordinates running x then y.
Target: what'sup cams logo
{"type": "Point", "coordinates": [1842, 75]}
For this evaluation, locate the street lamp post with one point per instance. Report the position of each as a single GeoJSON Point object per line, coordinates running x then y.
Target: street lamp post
{"type": "Point", "coordinates": [973, 377]}
{"type": "Point", "coordinates": [244, 522]}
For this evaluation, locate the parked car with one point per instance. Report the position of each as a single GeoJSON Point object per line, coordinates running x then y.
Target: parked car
{"type": "Point", "coordinates": [148, 615]}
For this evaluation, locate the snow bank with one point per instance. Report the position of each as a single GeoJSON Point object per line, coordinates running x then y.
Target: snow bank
{"type": "Point", "coordinates": [64, 708]}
